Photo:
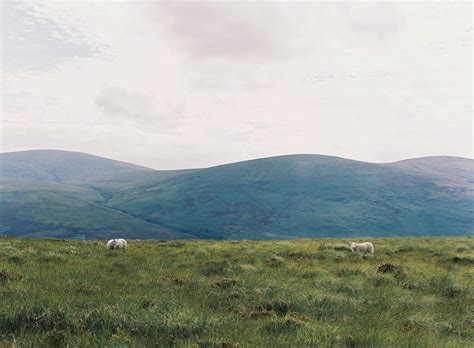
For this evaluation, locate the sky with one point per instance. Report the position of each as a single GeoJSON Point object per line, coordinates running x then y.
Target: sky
{"type": "Point", "coordinates": [194, 84]}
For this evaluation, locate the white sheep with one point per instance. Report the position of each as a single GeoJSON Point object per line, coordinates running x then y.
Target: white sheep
{"type": "Point", "coordinates": [117, 244]}
{"type": "Point", "coordinates": [123, 243]}
{"type": "Point", "coordinates": [367, 247]}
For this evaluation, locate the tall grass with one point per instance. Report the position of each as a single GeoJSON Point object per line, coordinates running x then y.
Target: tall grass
{"type": "Point", "coordinates": [413, 292]}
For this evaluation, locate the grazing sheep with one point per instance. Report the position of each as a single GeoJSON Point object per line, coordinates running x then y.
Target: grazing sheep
{"type": "Point", "coordinates": [367, 247]}
{"type": "Point", "coordinates": [117, 244]}
{"type": "Point", "coordinates": [123, 243]}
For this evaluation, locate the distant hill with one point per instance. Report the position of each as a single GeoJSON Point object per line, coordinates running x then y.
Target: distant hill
{"type": "Point", "coordinates": [72, 167]}
{"type": "Point", "coordinates": [62, 166]}
{"type": "Point", "coordinates": [66, 211]}
{"type": "Point", "coordinates": [77, 195]}
{"type": "Point", "coordinates": [304, 196]}
{"type": "Point", "coordinates": [63, 194]}
{"type": "Point", "coordinates": [449, 171]}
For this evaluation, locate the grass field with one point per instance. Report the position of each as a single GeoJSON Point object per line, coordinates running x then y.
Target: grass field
{"type": "Point", "coordinates": [413, 292]}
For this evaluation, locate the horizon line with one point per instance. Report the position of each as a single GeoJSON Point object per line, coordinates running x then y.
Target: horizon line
{"type": "Point", "coordinates": [240, 161]}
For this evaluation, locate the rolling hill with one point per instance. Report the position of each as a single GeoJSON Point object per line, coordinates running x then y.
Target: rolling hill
{"type": "Point", "coordinates": [54, 193]}
{"type": "Point", "coordinates": [303, 196]}
{"type": "Point", "coordinates": [74, 195]}
{"type": "Point", "coordinates": [62, 166]}
{"type": "Point", "coordinates": [447, 171]}
{"type": "Point", "coordinates": [74, 168]}
{"type": "Point", "coordinates": [68, 211]}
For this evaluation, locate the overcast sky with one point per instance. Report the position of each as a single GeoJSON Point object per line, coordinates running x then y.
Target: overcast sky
{"type": "Point", "coordinates": [179, 85]}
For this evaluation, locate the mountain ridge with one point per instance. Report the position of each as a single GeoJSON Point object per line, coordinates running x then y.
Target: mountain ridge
{"type": "Point", "coordinates": [286, 196]}
{"type": "Point", "coordinates": [240, 161]}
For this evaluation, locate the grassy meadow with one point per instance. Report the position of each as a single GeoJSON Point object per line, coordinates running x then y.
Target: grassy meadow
{"type": "Point", "coordinates": [413, 292]}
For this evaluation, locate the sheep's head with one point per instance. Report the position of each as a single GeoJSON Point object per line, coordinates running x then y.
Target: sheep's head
{"type": "Point", "coordinates": [353, 246]}
{"type": "Point", "coordinates": [114, 244]}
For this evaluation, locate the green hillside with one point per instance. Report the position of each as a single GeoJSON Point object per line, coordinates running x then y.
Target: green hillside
{"type": "Point", "coordinates": [303, 196]}
{"type": "Point", "coordinates": [75, 195]}
{"type": "Point", "coordinates": [454, 172]}
{"type": "Point", "coordinates": [74, 168]}
{"type": "Point", "coordinates": [67, 211]}
{"type": "Point", "coordinates": [63, 166]}
{"type": "Point", "coordinates": [50, 193]}
{"type": "Point", "coordinates": [413, 292]}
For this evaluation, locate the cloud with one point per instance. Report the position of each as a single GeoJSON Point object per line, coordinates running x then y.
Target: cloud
{"type": "Point", "coordinates": [256, 31]}
{"type": "Point", "coordinates": [373, 20]}
{"type": "Point", "coordinates": [23, 102]}
{"type": "Point", "coordinates": [141, 108]}
{"type": "Point", "coordinates": [31, 41]}
{"type": "Point", "coordinates": [229, 30]}
{"type": "Point", "coordinates": [334, 76]}
{"type": "Point", "coordinates": [199, 84]}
